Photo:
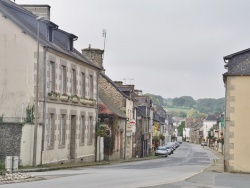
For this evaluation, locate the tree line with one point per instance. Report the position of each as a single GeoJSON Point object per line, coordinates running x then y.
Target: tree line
{"type": "Point", "coordinates": [200, 106]}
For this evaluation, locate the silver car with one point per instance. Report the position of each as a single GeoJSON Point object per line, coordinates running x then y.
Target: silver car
{"type": "Point", "coordinates": [162, 151]}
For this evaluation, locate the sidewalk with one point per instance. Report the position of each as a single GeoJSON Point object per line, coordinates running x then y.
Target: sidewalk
{"type": "Point", "coordinates": [218, 164]}
{"type": "Point", "coordinates": [51, 167]}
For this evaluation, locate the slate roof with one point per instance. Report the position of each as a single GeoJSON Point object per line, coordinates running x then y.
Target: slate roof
{"type": "Point", "coordinates": [212, 117]}
{"type": "Point", "coordinates": [27, 22]}
{"type": "Point", "coordinates": [189, 121]}
{"type": "Point", "coordinates": [238, 64]}
{"type": "Point", "coordinates": [197, 124]}
{"type": "Point", "coordinates": [106, 107]}
{"type": "Point", "coordinates": [113, 84]}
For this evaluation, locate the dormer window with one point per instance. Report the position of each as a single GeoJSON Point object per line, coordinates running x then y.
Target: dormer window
{"type": "Point", "coordinates": [72, 38]}
{"type": "Point", "coordinates": [71, 44]}
{"type": "Point", "coordinates": [50, 33]}
{"type": "Point", "coordinates": [50, 27]}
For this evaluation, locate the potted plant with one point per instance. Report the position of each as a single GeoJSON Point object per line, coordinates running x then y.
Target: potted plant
{"type": "Point", "coordinates": [53, 95]}
{"type": "Point", "coordinates": [162, 137]}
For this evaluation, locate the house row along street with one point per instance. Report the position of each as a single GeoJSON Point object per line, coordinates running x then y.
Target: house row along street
{"type": "Point", "coordinates": [188, 160]}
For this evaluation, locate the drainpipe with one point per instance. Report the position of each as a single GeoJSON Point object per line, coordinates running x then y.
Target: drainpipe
{"type": "Point", "coordinates": [224, 128]}
{"type": "Point", "coordinates": [125, 140]}
{"type": "Point", "coordinates": [97, 99]}
{"type": "Point", "coordinates": [44, 102]}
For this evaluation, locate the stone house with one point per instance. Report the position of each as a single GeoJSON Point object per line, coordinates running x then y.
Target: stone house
{"type": "Point", "coordinates": [236, 135]}
{"type": "Point", "coordinates": [63, 102]}
{"type": "Point", "coordinates": [160, 120]}
{"type": "Point", "coordinates": [144, 129]}
{"type": "Point", "coordinates": [129, 91]}
{"type": "Point", "coordinates": [209, 123]}
{"type": "Point", "coordinates": [186, 131]}
{"type": "Point", "coordinates": [196, 131]}
{"type": "Point", "coordinates": [111, 97]}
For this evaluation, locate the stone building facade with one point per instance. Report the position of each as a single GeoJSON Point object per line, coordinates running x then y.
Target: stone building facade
{"type": "Point", "coordinates": [67, 87]}
{"type": "Point", "coordinates": [236, 134]}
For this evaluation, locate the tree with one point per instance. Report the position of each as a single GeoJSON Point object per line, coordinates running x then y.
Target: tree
{"type": "Point", "coordinates": [181, 127]}
{"type": "Point", "coordinates": [195, 114]}
{"type": "Point", "coordinates": [178, 102]}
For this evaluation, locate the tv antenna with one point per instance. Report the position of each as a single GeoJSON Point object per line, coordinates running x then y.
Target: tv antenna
{"type": "Point", "coordinates": [104, 34]}
{"type": "Point", "coordinates": [130, 79]}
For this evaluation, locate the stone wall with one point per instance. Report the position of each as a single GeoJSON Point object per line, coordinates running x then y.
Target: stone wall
{"type": "Point", "coordinates": [10, 140]}
{"type": "Point", "coordinates": [112, 93]}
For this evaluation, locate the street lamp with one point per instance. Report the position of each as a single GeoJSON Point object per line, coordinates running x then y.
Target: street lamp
{"type": "Point", "coordinates": [39, 18]}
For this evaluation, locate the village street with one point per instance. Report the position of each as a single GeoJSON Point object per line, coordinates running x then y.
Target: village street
{"type": "Point", "coordinates": [187, 160]}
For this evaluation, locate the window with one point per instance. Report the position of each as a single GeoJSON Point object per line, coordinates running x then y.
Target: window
{"type": "Point", "coordinates": [71, 44]}
{"type": "Point", "coordinates": [52, 76]}
{"type": "Point", "coordinates": [73, 82]}
{"type": "Point", "coordinates": [91, 87]}
{"type": "Point", "coordinates": [63, 89]}
{"type": "Point", "coordinates": [62, 130]}
{"type": "Point", "coordinates": [51, 130]}
{"type": "Point", "coordinates": [82, 130]}
{"type": "Point", "coordinates": [90, 129]}
{"type": "Point", "coordinates": [83, 84]}
{"type": "Point", "coordinates": [50, 32]}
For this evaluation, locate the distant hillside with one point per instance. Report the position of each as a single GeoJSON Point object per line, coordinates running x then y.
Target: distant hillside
{"type": "Point", "coordinates": [181, 105]}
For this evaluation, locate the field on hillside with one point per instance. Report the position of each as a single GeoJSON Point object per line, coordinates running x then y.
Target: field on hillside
{"type": "Point", "coordinates": [177, 109]}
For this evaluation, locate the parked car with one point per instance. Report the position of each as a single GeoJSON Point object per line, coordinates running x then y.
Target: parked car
{"type": "Point", "coordinates": [170, 150]}
{"type": "Point", "coordinates": [171, 145]}
{"type": "Point", "coordinates": [162, 151]}
{"type": "Point", "coordinates": [203, 144]}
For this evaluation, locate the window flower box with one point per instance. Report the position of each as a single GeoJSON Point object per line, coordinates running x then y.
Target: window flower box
{"type": "Point", "coordinates": [92, 102]}
{"type": "Point", "coordinates": [74, 99]}
{"type": "Point", "coordinates": [64, 97]}
{"type": "Point", "coordinates": [85, 101]}
{"type": "Point", "coordinates": [53, 95]}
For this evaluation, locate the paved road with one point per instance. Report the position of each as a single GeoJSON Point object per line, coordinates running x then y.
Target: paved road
{"type": "Point", "coordinates": [187, 160]}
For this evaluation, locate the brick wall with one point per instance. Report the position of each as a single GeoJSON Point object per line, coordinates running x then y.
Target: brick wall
{"type": "Point", "coordinates": [10, 140]}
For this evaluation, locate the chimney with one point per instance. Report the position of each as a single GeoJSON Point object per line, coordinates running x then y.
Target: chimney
{"type": "Point", "coordinates": [39, 10]}
{"type": "Point", "coordinates": [118, 83]}
{"type": "Point", "coordinates": [95, 55]}
{"type": "Point", "coordinates": [138, 92]}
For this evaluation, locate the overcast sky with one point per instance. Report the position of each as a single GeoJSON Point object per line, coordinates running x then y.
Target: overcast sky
{"type": "Point", "coordinates": [169, 48]}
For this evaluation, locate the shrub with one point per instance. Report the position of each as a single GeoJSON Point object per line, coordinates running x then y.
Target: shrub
{"type": "Point", "coordinates": [1, 118]}
{"type": "Point", "coordinates": [2, 166]}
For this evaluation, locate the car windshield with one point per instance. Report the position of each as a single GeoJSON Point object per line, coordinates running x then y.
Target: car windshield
{"type": "Point", "coordinates": [161, 148]}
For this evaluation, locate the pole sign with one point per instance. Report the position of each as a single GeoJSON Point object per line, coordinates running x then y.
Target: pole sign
{"type": "Point", "coordinates": [222, 122]}
{"type": "Point", "coordinates": [132, 122]}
